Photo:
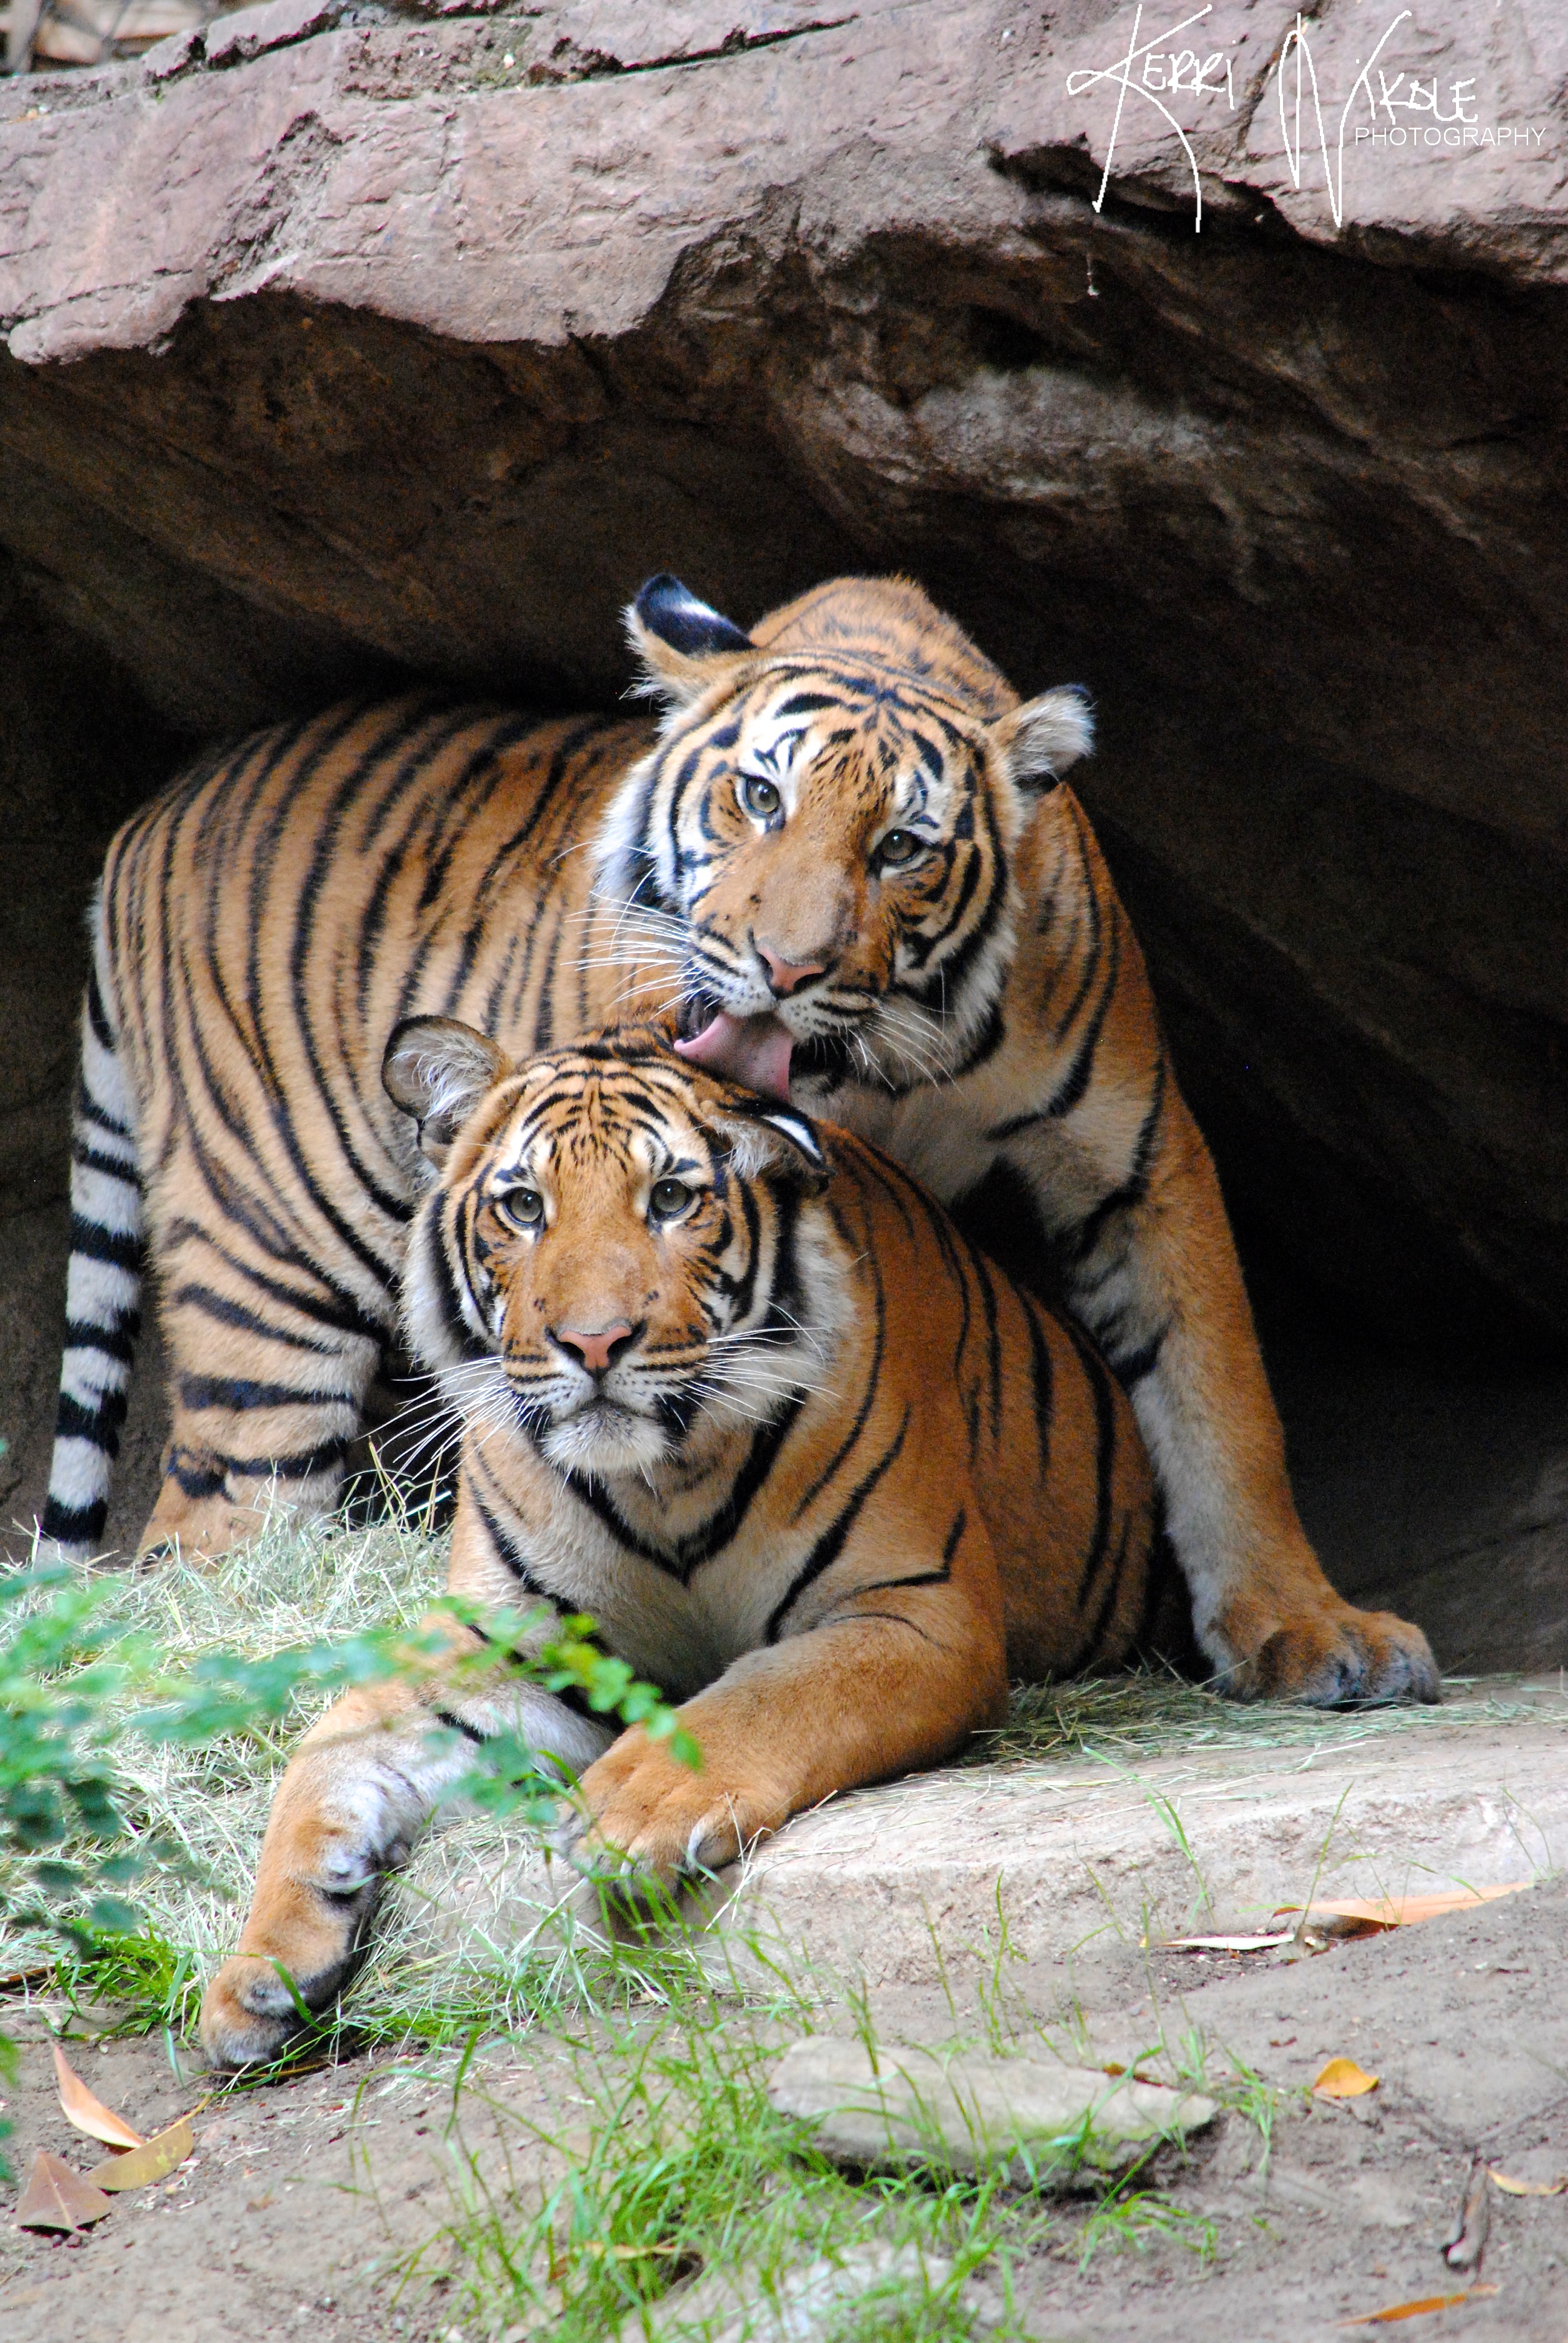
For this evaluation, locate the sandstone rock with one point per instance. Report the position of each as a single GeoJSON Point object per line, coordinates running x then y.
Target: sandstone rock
{"type": "Point", "coordinates": [1043, 2125]}
{"type": "Point", "coordinates": [348, 343]}
{"type": "Point", "coordinates": [871, 2286]}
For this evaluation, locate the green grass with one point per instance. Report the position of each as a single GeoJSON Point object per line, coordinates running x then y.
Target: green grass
{"type": "Point", "coordinates": [683, 2167]}
{"type": "Point", "coordinates": [1145, 1714]}
{"type": "Point", "coordinates": [674, 2161]}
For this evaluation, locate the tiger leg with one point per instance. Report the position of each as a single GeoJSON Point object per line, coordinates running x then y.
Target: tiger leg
{"type": "Point", "coordinates": [1161, 1290]}
{"type": "Point", "coordinates": [865, 1693]}
{"type": "Point", "coordinates": [350, 1808]}
{"type": "Point", "coordinates": [269, 1366]}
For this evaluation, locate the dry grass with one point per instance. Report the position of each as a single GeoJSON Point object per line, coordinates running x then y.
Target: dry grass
{"type": "Point", "coordinates": [439, 1967]}
{"type": "Point", "coordinates": [434, 1969]}
{"type": "Point", "coordinates": [1144, 1715]}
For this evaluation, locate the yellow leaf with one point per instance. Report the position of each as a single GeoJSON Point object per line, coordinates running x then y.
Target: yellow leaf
{"type": "Point", "coordinates": [89, 2114]}
{"type": "Point", "coordinates": [59, 2198]}
{"type": "Point", "coordinates": [1405, 1911]}
{"type": "Point", "coordinates": [154, 2159]}
{"type": "Point", "coordinates": [1341, 2078]}
{"type": "Point", "coordinates": [1529, 2187]}
{"type": "Point", "coordinates": [1417, 2309]}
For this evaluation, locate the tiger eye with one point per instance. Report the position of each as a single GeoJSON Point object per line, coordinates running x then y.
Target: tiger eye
{"type": "Point", "coordinates": [525, 1207]}
{"type": "Point", "coordinates": [669, 1197]}
{"type": "Point", "coordinates": [760, 797]}
{"type": "Point", "coordinates": [899, 846]}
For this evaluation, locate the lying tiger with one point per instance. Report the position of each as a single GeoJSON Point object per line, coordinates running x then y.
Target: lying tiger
{"type": "Point", "coordinates": [738, 1387]}
{"type": "Point", "coordinates": [848, 855]}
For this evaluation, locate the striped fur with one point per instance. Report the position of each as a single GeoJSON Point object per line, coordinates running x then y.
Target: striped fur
{"type": "Point", "coordinates": [829, 1478]}
{"type": "Point", "coordinates": [103, 1281]}
{"type": "Point", "coordinates": [846, 841]}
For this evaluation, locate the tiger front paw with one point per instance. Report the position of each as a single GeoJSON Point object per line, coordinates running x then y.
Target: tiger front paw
{"type": "Point", "coordinates": [248, 2015]}
{"type": "Point", "coordinates": [640, 1818]}
{"type": "Point", "coordinates": [1338, 1657]}
{"type": "Point", "coordinates": [202, 1528]}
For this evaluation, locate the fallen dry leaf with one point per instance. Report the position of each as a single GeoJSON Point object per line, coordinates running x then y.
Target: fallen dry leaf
{"type": "Point", "coordinates": [1350, 1914]}
{"type": "Point", "coordinates": [1417, 2309]}
{"type": "Point", "coordinates": [1260, 1944]}
{"type": "Point", "coordinates": [1529, 2187]}
{"type": "Point", "coordinates": [89, 2114]}
{"type": "Point", "coordinates": [1467, 2240]}
{"type": "Point", "coordinates": [59, 2198]}
{"type": "Point", "coordinates": [154, 2159]}
{"type": "Point", "coordinates": [1341, 2078]}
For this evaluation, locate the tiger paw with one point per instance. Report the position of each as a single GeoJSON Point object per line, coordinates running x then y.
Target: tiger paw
{"type": "Point", "coordinates": [204, 1527]}
{"type": "Point", "coordinates": [1338, 1657]}
{"type": "Point", "coordinates": [248, 2015]}
{"type": "Point", "coordinates": [642, 1818]}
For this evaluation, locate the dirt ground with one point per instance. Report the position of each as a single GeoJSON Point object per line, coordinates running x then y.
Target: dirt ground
{"type": "Point", "coordinates": [302, 2197]}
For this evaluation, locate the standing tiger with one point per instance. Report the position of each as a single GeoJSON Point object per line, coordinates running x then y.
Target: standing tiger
{"type": "Point", "coordinates": [848, 857]}
{"type": "Point", "coordinates": [738, 1388]}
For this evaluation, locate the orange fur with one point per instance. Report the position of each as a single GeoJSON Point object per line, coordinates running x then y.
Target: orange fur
{"type": "Point", "coordinates": [833, 1480]}
{"type": "Point", "coordinates": [852, 791]}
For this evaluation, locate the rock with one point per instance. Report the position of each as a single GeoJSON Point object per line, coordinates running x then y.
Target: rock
{"type": "Point", "coordinates": [871, 2286]}
{"type": "Point", "coordinates": [1043, 2125]}
{"type": "Point", "coordinates": [339, 347]}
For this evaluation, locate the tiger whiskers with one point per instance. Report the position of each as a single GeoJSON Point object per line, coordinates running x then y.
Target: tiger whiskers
{"type": "Point", "coordinates": [905, 1034]}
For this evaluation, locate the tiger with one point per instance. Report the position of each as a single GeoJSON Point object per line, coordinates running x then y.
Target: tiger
{"type": "Point", "coordinates": [732, 1384]}
{"type": "Point", "coordinates": [844, 852]}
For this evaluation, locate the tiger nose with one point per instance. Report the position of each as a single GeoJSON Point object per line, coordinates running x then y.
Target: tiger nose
{"type": "Point", "coordinates": [596, 1351]}
{"type": "Point", "coordinates": [784, 976]}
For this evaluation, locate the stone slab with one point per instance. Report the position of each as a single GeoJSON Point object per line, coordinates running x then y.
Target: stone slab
{"type": "Point", "coordinates": [1043, 2124]}
{"type": "Point", "coordinates": [1042, 1861]}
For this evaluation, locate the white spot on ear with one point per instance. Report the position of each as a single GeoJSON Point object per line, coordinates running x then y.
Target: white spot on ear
{"type": "Point", "coordinates": [797, 1130]}
{"type": "Point", "coordinates": [1041, 739]}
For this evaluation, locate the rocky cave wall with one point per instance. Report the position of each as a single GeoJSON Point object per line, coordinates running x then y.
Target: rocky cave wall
{"type": "Point", "coordinates": [361, 342]}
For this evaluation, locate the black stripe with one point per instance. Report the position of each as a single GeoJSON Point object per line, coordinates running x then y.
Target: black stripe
{"type": "Point", "coordinates": [75, 1524]}
{"type": "Point", "coordinates": [1131, 1366]}
{"type": "Point", "coordinates": [235, 1313]}
{"type": "Point", "coordinates": [98, 1243]}
{"type": "Point", "coordinates": [97, 1016]}
{"type": "Point", "coordinates": [198, 1476]}
{"type": "Point", "coordinates": [941, 1577]}
{"type": "Point", "coordinates": [873, 1383]}
{"type": "Point", "coordinates": [1040, 1379]}
{"type": "Point", "coordinates": [1063, 1099]}
{"type": "Point", "coordinates": [455, 1723]}
{"type": "Point", "coordinates": [116, 1342]}
{"type": "Point", "coordinates": [1105, 1450]}
{"type": "Point", "coordinates": [1134, 1188]}
{"type": "Point", "coordinates": [993, 1338]}
{"type": "Point", "coordinates": [986, 1044]}
{"type": "Point", "coordinates": [99, 1424]}
{"type": "Point", "coordinates": [721, 1524]}
{"type": "Point", "coordinates": [91, 1160]}
{"type": "Point", "coordinates": [830, 1544]}
{"type": "Point", "coordinates": [1089, 1648]}
{"type": "Point", "coordinates": [238, 1394]}
{"type": "Point", "coordinates": [336, 1307]}
{"type": "Point", "coordinates": [303, 1466]}
{"type": "Point", "coordinates": [506, 1552]}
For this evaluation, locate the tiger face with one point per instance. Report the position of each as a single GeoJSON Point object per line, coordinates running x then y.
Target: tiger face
{"type": "Point", "coordinates": [826, 842]}
{"type": "Point", "coordinates": [613, 1264]}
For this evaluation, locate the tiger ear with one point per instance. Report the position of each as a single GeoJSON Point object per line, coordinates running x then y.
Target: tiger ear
{"type": "Point", "coordinates": [1038, 741]}
{"type": "Point", "coordinates": [684, 647]}
{"type": "Point", "coordinates": [437, 1068]}
{"type": "Point", "coordinates": [753, 1135]}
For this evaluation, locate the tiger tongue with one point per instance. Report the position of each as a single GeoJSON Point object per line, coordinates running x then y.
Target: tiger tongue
{"type": "Point", "coordinates": [750, 1049]}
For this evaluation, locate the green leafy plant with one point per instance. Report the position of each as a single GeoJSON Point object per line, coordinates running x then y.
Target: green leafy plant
{"type": "Point", "coordinates": [80, 1694]}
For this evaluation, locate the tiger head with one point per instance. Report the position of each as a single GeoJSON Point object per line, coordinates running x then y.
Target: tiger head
{"type": "Point", "coordinates": [620, 1260]}
{"type": "Point", "coordinates": [823, 834]}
